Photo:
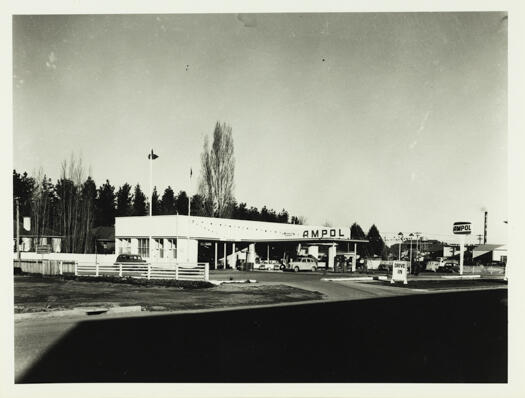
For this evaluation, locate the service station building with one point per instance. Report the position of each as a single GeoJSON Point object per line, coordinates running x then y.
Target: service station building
{"type": "Point", "coordinates": [189, 239]}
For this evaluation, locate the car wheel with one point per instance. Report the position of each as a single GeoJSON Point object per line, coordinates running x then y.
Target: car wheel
{"type": "Point", "coordinates": [296, 269]}
{"type": "Point", "coordinates": [314, 268]}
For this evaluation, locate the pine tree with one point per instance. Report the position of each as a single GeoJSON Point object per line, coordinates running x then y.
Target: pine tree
{"type": "Point", "coordinates": [124, 199]}
{"type": "Point", "coordinates": [375, 242]}
{"type": "Point", "coordinates": [105, 205]}
{"type": "Point", "coordinates": [356, 232]}
{"type": "Point", "coordinates": [139, 202]}
{"type": "Point", "coordinates": [181, 203]}
{"type": "Point", "coordinates": [168, 204]}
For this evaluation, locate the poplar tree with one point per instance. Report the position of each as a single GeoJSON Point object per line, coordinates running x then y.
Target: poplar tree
{"type": "Point", "coordinates": [218, 172]}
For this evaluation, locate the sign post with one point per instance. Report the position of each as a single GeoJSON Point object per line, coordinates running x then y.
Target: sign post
{"type": "Point", "coordinates": [461, 228]}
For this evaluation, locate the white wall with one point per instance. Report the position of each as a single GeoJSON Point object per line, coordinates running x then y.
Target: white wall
{"type": "Point", "coordinates": [496, 254]}
{"type": "Point", "coordinates": [187, 250]}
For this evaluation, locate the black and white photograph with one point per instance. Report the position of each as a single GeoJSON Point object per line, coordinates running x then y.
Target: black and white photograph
{"type": "Point", "coordinates": [315, 198]}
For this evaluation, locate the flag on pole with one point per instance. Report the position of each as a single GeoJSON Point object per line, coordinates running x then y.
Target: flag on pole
{"type": "Point", "coordinates": [152, 155]}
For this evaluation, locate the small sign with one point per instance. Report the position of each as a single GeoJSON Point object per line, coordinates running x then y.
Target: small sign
{"type": "Point", "coordinates": [27, 223]}
{"type": "Point", "coordinates": [462, 228]}
{"type": "Point", "coordinates": [399, 272]}
{"type": "Point", "coordinates": [43, 249]}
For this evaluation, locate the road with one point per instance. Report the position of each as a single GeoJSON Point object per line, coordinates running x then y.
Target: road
{"type": "Point", "coordinates": [334, 290]}
{"type": "Point", "coordinates": [445, 337]}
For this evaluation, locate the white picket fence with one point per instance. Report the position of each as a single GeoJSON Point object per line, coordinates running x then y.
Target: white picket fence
{"type": "Point", "coordinates": [178, 271]}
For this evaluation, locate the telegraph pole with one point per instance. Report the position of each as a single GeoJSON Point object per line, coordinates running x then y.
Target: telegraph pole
{"type": "Point", "coordinates": [485, 229]}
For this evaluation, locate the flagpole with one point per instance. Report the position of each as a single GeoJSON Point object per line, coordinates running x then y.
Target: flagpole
{"type": "Point", "coordinates": [189, 195]}
{"type": "Point", "coordinates": [189, 223]}
{"type": "Point", "coordinates": [150, 205]}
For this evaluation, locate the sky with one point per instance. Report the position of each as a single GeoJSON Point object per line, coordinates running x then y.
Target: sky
{"type": "Point", "coordinates": [393, 119]}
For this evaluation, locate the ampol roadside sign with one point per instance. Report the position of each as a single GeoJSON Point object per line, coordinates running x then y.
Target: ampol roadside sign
{"type": "Point", "coordinates": [462, 228]}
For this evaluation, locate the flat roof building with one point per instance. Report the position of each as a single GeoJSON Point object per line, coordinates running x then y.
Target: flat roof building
{"type": "Point", "coordinates": [179, 238]}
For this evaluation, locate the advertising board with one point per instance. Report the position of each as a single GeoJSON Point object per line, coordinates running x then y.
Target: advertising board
{"type": "Point", "coordinates": [399, 272]}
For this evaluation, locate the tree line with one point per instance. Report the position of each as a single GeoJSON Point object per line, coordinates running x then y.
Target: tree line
{"type": "Point", "coordinates": [73, 206]}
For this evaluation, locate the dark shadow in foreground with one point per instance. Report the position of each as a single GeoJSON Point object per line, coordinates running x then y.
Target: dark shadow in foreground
{"type": "Point", "coordinates": [449, 337]}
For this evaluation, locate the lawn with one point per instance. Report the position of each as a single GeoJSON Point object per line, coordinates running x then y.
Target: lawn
{"type": "Point", "coordinates": [438, 284]}
{"type": "Point", "coordinates": [34, 294]}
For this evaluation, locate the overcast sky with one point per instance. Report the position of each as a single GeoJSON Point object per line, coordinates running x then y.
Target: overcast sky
{"type": "Point", "coordinates": [394, 119]}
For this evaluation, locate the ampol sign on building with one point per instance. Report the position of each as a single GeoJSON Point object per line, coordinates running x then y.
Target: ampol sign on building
{"type": "Point", "coordinates": [177, 237]}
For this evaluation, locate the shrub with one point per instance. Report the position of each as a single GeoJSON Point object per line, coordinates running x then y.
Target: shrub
{"type": "Point", "coordinates": [141, 281]}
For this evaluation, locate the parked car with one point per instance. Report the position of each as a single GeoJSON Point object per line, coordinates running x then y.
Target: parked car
{"type": "Point", "coordinates": [129, 258]}
{"type": "Point", "coordinates": [303, 264]}
{"type": "Point", "coordinates": [268, 265]}
{"type": "Point", "coordinates": [449, 267]}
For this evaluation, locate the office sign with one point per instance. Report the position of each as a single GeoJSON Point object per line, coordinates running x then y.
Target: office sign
{"type": "Point", "coordinates": [462, 228]}
{"type": "Point", "coordinates": [327, 233]}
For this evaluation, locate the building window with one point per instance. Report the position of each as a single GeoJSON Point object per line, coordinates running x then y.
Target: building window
{"type": "Point", "coordinates": [125, 246]}
{"type": "Point", "coordinates": [143, 247]}
{"type": "Point", "coordinates": [171, 248]}
{"type": "Point", "coordinates": [159, 247]}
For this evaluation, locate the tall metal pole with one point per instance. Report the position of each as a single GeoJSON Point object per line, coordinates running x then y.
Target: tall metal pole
{"type": "Point", "coordinates": [400, 244]}
{"type": "Point", "coordinates": [417, 248]}
{"type": "Point", "coordinates": [17, 232]}
{"type": "Point", "coordinates": [461, 250]}
{"type": "Point", "coordinates": [151, 206]}
{"type": "Point", "coordinates": [189, 194]}
{"type": "Point", "coordinates": [411, 236]}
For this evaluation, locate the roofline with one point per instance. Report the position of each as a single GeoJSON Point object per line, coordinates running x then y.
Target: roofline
{"type": "Point", "coordinates": [226, 239]}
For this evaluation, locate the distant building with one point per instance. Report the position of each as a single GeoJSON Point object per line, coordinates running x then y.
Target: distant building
{"type": "Point", "coordinates": [489, 253]}
{"type": "Point", "coordinates": [29, 240]}
{"type": "Point", "coordinates": [104, 239]}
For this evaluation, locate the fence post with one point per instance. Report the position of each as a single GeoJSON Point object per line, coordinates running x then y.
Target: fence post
{"type": "Point", "coordinates": [176, 271]}
{"type": "Point", "coordinates": [60, 267]}
{"type": "Point", "coordinates": [76, 268]}
{"type": "Point", "coordinates": [206, 271]}
{"type": "Point", "coordinates": [149, 271]}
{"type": "Point", "coordinates": [96, 269]}
{"type": "Point", "coordinates": [120, 270]}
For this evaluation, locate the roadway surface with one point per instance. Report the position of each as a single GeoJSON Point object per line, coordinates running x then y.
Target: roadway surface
{"type": "Point", "coordinates": [364, 333]}
{"type": "Point", "coordinates": [333, 290]}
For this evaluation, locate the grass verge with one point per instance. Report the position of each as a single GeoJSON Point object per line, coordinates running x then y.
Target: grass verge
{"type": "Point", "coordinates": [446, 283]}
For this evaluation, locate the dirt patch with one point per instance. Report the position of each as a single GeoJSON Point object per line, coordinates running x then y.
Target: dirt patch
{"type": "Point", "coordinates": [34, 294]}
